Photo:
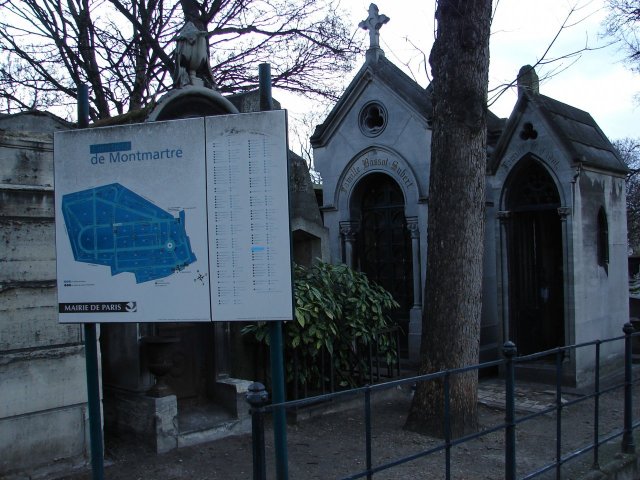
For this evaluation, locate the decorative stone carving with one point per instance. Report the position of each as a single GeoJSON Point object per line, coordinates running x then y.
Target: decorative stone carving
{"type": "Point", "coordinates": [503, 215]}
{"type": "Point", "coordinates": [528, 132]}
{"type": "Point", "coordinates": [564, 212]}
{"type": "Point", "coordinates": [412, 226]}
{"type": "Point", "coordinates": [349, 230]}
{"type": "Point", "coordinates": [373, 119]}
{"type": "Point", "coordinates": [372, 24]}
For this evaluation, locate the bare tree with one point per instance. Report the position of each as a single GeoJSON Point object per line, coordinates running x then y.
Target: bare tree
{"type": "Point", "coordinates": [123, 48]}
{"type": "Point", "coordinates": [451, 320]}
{"type": "Point", "coordinates": [623, 24]}
{"type": "Point", "coordinates": [300, 127]}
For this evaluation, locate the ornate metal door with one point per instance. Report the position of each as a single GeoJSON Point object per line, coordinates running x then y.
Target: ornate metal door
{"type": "Point", "coordinates": [536, 281]}
{"type": "Point", "coordinates": [384, 244]}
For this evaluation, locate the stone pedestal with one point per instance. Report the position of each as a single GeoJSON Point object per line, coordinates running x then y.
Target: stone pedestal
{"type": "Point", "coordinates": [163, 434]}
{"type": "Point", "coordinates": [231, 393]}
{"type": "Point", "coordinates": [153, 421]}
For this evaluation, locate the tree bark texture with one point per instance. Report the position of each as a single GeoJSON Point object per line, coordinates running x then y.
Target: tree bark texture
{"type": "Point", "coordinates": [453, 291]}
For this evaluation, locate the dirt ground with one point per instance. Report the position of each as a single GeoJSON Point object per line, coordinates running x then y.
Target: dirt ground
{"type": "Point", "coordinates": [332, 446]}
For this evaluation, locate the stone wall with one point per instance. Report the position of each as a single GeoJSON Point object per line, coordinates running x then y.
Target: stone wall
{"type": "Point", "coordinates": [601, 292]}
{"type": "Point", "coordinates": [43, 412]}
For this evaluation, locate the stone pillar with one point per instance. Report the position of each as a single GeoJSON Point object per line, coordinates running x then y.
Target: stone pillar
{"type": "Point", "coordinates": [412, 226]}
{"type": "Point", "coordinates": [222, 350]}
{"type": "Point", "coordinates": [349, 230]}
{"type": "Point", "coordinates": [415, 315]}
{"type": "Point", "coordinates": [503, 277]}
{"type": "Point", "coordinates": [567, 282]}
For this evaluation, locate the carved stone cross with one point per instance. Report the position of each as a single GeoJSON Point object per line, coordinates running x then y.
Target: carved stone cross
{"type": "Point", "coordinates": [373, 24]}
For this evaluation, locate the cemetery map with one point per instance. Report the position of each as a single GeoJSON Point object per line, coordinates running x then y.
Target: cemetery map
{"type": "Point", "coordinates": [184, 220]}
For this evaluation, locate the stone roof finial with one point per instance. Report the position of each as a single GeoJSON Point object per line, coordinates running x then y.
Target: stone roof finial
{"type": "Point", "coordinates": [528, 80]}
{"type": "Point", "coordinates": [373, 23]}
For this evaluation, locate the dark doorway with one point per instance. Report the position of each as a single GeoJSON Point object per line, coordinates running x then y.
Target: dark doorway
{"type": "Point", "coordinates": [535, 260]}
{"type": "Point", "coordinates": [384, 243]}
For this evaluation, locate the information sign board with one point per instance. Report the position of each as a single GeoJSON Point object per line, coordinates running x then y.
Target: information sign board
{"type": "Point", "coordinates": [151, 228]}
{"type": "Point", "coordinates": [248, 217]}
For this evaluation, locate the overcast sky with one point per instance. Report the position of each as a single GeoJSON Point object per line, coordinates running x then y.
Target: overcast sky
{"type": "Point", "coordinates": [596, 81]}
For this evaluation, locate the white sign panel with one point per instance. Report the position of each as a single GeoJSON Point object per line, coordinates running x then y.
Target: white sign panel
{"type": "Point", "coordinates": [167, 222]}
{"type": "Point", "coordinates": [249, 217]}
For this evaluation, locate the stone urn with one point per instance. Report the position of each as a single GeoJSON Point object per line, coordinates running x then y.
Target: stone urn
{"type": "Point", "coordinates": [157, 351]}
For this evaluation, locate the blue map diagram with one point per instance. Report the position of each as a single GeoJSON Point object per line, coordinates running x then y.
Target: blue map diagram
{"type": "Point", "coordinates": [111, 225]}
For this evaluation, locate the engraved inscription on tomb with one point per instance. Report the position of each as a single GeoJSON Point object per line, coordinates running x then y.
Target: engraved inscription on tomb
{"type": "Point", "coordinates": [378, 162]}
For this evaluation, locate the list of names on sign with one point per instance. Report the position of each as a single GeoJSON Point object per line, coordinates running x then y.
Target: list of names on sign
{"type": "Point", "coordinates": [262, 218]}
{"type": "Point", "coordinates": [227, 211]}
{"type": "Point", "coordinates": [248, 218]}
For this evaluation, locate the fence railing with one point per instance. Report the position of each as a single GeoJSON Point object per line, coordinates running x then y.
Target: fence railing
{"type": "Point", "coordinates": [258, 399]}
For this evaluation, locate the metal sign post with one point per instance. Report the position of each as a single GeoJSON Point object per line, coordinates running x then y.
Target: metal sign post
{"type": "Point", "coordinates": [93, 399]}
{"type": "Point", "coordinates": [275, 331]}
{"type": "Point", "coordinates": [90, 346]}
{"type": "Point", "coordinates": [280, 414]}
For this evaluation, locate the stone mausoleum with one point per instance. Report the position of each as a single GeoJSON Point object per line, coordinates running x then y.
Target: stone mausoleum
{"type": "Point", "coordinates": [555, 260]}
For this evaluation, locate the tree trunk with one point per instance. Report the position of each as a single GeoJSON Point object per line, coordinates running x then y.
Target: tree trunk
{"type": "Point", "coordinates": [453, 292]}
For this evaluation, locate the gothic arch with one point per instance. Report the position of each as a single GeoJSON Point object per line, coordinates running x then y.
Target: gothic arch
{"type": "Point", "coordinates": [544, 182]}
{"type": "Point", "coordinates": [377, 160]}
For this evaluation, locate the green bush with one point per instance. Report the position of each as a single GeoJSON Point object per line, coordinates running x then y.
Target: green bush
{"type": "Point", "coordinates": [338, 311]}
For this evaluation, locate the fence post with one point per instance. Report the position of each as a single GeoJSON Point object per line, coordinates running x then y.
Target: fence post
{"type": "Point", "coordinates": [596, 411]}
{"type": "Point", "coordinates": [628, 445]}
{"type": "Point", "coordinates": [367, 425]}
{"type": "Point", "coordinates": [559, 354]}
{"type": "Point", "coordinates": [447, 424]}
{"type": "Point", "coordinates": [258, 397]}
{"type": "Point", "coordinates": [509, 351]}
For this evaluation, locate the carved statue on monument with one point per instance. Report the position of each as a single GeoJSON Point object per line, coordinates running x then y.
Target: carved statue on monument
{"type": "Point", "coordinates": [192, 58]}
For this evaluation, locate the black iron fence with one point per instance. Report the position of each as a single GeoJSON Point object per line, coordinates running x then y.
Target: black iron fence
{"type": "Point", "coordinates": [257, 397]}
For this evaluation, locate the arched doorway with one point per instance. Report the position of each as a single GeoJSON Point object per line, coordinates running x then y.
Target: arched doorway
{"type": "Point", "coordinates": [384, 244]}
{"type": "Point", "coordinates": [535, 259]}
